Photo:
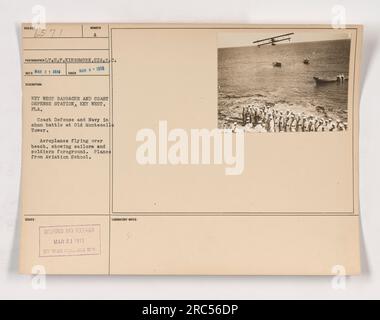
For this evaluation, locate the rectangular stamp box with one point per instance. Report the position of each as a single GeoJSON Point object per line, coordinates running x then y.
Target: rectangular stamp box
{"type": "Point", "coordinates": [69, 240]}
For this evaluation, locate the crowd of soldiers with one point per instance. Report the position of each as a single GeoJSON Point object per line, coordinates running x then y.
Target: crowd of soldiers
{"type": "Point", "coordinates": [266, 119]}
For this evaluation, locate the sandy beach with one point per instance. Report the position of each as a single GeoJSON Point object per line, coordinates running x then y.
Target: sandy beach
{"type": "Point", "coordinates": [230, 109]}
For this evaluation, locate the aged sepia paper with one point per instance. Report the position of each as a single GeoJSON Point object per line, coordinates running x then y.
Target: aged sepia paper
{"type": "Point", "coordinates": [190, 149]}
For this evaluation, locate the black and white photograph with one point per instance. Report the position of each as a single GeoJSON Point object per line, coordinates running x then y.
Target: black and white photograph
{"type": "Point", "coordinates": [283, 81]}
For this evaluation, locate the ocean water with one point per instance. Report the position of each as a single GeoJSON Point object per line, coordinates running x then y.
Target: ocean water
{"type": "Point", "coordinates": [248, 72]}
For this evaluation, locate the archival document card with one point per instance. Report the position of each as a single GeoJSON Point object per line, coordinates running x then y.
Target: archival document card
{"type": "Point", "coordinates": [190, 149]}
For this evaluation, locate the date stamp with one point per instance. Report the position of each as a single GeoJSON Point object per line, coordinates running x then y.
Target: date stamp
{"type": "Point", "coordinates": [69, 240]}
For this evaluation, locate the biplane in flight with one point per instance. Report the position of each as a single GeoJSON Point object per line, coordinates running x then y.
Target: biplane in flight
{"type": "Point", "coordinates": [273, 40]}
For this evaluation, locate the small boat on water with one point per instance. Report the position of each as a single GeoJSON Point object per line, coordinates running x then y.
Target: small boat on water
{"type": "Point", "coordinates": [338, 79]}
{"type": "Point", "coordinates": [276, 64]}
{"type": "Point", "coordinates": [306, 61]}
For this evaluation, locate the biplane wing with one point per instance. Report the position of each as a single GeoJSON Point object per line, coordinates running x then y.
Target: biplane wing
{"type": "Point", "coordinates": [273, 40]}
